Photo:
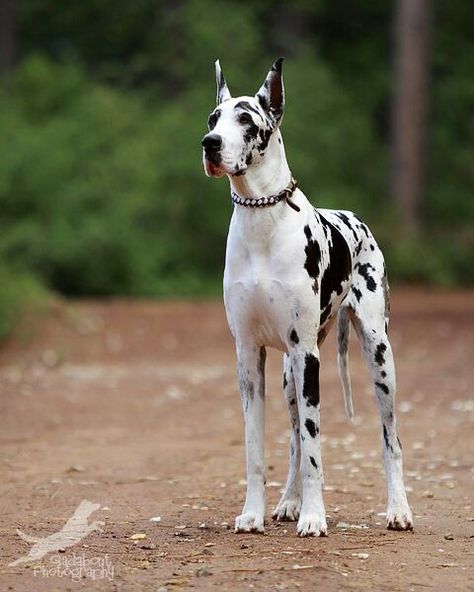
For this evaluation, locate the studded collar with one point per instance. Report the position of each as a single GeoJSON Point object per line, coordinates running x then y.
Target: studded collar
{"type": "Point", "coordinates": [271, 200]}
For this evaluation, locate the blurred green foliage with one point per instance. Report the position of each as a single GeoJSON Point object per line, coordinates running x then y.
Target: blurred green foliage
{"type": "Point", "coordinates": [20, 294]}
{"type": "Point", "coordinates": [101, 184]}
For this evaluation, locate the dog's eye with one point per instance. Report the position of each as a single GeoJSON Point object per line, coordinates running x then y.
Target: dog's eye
{"type": "Point", "coordinates": [212, 122]}
{"type": "Point", "coordinates": [245, 118]}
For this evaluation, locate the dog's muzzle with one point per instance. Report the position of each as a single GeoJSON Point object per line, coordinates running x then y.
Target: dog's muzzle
{"type": "Point", "coordinates": [212, 144]}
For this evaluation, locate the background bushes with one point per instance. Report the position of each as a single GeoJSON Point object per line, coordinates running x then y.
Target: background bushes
{"type": "Point", "coordinates": [101, 185]}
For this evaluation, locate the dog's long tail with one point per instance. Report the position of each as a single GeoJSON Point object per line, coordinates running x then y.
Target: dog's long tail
{"type": "Point", "coordinates": [342, 358]}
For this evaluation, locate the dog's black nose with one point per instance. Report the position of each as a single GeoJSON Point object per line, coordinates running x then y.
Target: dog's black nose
{"type": "Point", "coordinates": [212, 142]}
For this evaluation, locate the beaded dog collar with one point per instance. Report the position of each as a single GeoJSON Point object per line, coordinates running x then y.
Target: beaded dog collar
{"type": "Point", "coordinates": [263, 202]}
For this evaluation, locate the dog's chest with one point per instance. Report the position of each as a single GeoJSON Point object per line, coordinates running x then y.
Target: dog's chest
{"type": "Point", "coordinates": [258, 303]}
{"type": "Point", "coordinates": [266, 285]}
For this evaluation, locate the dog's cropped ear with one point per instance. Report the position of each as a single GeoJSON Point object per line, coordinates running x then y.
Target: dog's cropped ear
{"type": "Point", "coordinates": [271, 95]}
{"type": "Point", "coordinates": [222, 90]}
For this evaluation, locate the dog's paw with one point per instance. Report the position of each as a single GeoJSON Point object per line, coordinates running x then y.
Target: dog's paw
{"type": "Point", "coordinates": [399, 518]}
{"type": "Point", "coordinates": [312, 525]}
{"type": "Point", "coordinates": [249, 522]}
{"type": "Point", "coordinates": [287, 510]}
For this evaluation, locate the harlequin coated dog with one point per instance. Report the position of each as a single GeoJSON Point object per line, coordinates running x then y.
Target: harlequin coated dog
{"type": "Point", "coordinates": [291, 271]}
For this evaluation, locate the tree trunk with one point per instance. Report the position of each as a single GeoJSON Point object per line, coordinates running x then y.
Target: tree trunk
{"type": "Point", "coordinates": [7, 35]}
{"type": "Point", "coordinates": [410, 105]}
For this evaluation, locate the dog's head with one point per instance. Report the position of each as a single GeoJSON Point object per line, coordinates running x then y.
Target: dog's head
{"type": "Point", "coordinates": [240, 129]}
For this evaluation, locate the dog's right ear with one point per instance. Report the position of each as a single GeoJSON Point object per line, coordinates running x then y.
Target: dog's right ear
{"type": "Point", "coordinates": [271, 94]}
{"type": "Point", "coordinates": [222, 90]}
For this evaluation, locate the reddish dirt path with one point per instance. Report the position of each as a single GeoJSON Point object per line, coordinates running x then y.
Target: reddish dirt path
{"type": "Point", "coordinates": [135, 406]}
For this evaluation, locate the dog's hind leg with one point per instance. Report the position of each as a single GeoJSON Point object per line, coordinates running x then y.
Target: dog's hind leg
{"type": "Point", "coordinates": [251, 371]}
{"type": "Point", "coordinates": [289, 506]}
{"type": "Point", "coordinates": [370, 318]}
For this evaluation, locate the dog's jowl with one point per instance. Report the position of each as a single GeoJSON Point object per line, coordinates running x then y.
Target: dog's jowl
{"type": "Point", "coordinates": [291, 270]}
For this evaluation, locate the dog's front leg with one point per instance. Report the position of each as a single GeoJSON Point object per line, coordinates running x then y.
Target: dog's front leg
{"type": "Point", "coordinates": [251, 371]}
{"type": "Point", "coordinates": [305, 364]}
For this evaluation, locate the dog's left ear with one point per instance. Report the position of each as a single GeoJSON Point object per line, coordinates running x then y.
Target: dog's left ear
{"type": "Point", "coordinates": [223, 92]}
{"type": "Point", "coordinates": [271, 95]}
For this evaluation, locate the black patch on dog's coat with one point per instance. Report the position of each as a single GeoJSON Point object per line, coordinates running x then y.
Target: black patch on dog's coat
{"type": "Point", "coordinates": [213, 119]}
{"type": "Point", "coordinates": [325, 315]}
{"type": "Point", "coordinates": [263, 101]}
{"type": "Point", "coordinates": [379, 352]}
{"type": "Point", "coordinates": [246, 106]}
{"type": "Point", "coordinates": [383, 387]}
{"type": "Point", "coordinates": [362, 226]}
{"type": "Point", "coordinates": [363, 269]}
{"type": "Point", "coordinates": [338, 270]}
{"type": "Point", "coordinates": [357, 293]}
{"type": "Point", "coordinates": [310, 426]}
{"type": "Point", "coordinates": [264, 136]}
{"type": "Point", "coordinates": [251, 132]}
{"type": "Point", "coordinates": [311, 380]}
{"type": "Point", "coordinates": [324, 223]}
{"type": "Point", "coordinates": [347, 222]}
{"type": "Point", "coordinates": [385, 437]}
{"type": "Point", "coordinates": [313, 258]}
{"type": "Point", "coordinates": [261, 370]}
{"type": "Point", "coordinates": [294, 336]}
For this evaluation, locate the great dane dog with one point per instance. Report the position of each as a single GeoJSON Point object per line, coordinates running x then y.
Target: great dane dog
{"type": "Point", "coordinates": [290, 271]}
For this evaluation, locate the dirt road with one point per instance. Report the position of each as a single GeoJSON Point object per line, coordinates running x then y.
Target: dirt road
{"type": "Point", "coordinates": [134, 406]}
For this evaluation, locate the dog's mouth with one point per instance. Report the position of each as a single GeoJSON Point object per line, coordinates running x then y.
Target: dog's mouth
{"type": "Point", "coordinates": [213, 166]}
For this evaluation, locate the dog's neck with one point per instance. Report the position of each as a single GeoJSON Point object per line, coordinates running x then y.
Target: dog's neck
{"type": "Point", "coordinates": [267, 177]}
